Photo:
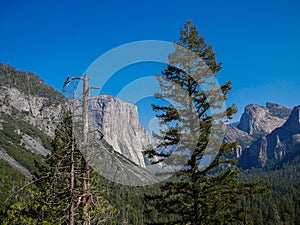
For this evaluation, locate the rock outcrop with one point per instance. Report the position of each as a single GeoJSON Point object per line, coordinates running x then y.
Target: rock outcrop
{"type": "Point", "coordinates": [36, 110]}
{"type": "Point", "coordinates": [26, 93]}
{"type": "Point", "coordinates": [34, 145]}
{"type": "Point", "coordinates": [264, 134]}
{"type": "Point", "coordinates": [26, 98]}
{"type": "Point", "coordinates": [234, 134]}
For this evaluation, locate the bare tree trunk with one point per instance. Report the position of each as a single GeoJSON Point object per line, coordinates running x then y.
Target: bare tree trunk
{"type": "Point", "coordinates": [86, 172]}
{"type": "Point", "coordinates": [72, 184]}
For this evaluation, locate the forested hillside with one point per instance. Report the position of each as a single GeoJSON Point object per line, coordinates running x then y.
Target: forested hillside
{"type": "Point", "coordinates": [282, 205]}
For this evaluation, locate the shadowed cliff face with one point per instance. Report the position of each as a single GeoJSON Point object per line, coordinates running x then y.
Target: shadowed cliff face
{"type": "Point", "coordinates": [119, 123]}
{"type": "Point", "coordinates": [234, 134]}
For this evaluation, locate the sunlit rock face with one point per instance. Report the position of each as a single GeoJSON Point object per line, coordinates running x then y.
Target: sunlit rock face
{"type": "Point", "coordinates": [234, 134]}
{"type": "Point", "coordinates": [36, 110]}
{"type": "Point", "coordinates": [257, 120]}
{"type": "Point", "coordinates": [119, 124]}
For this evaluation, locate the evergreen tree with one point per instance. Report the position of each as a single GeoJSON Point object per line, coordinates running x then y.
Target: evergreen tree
{"type": "Point", "coordinates": [55, 195]}
{"type": "Point", "coordinates": [198, 194]}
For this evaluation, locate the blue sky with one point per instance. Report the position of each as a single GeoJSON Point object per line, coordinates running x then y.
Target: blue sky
{"type": "Point", "coordinates": [257, 41]}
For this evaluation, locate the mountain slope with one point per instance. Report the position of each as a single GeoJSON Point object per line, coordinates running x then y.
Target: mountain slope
{"type": "Point", "coordinates": [34, 101]}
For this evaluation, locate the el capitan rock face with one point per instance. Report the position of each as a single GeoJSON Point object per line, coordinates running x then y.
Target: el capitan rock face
{"type": "Point", "coordinates": [263, 133]}
{"type": "Point", "coordinates": [120, 125]}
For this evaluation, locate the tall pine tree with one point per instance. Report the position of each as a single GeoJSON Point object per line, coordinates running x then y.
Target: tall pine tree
{"type": "Point", "coordinates": [201, 192]}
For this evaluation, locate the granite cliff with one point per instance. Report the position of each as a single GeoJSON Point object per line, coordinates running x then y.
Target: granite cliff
{"type": "Point", "coordinates": [119, 123]}
{"type": "Point", "coordinates": [263, 133]}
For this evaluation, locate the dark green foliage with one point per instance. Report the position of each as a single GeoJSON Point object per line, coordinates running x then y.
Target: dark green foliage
{"type": "Point", "coordinates": [13, 123]}
{"type": "Point", "coordinates": [46, 199]}
{"type": "Point", "coordinates": [10, 132]}
{"type": "Point", "coordinates": [196, 195]}
{"type": "Point", "coordinates": [282, 206]}
{"type": "Point", "coordinates": [10, 181]}
{"type": "Point", "coordinates": [10, 141]}
{"type": "Point", "coordinates": [20, 154]}
{"type": "Point", "coordinates": [28, 84]}
{"type": "Point", "coordinates": [126, 201]}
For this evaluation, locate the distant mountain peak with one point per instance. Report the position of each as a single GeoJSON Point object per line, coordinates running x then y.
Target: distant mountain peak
{"type": "Point", "coordinates": [295, 114]}
{"type": "Point", "coordinates": [293, 122]}
{"type": "Point", "coordinates": [278, 110]}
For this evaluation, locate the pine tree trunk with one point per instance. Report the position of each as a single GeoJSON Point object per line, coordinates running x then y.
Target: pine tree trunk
{"type": "Point", "coordinates": [72, 183]}
{"type": "Point", "coordinates": [86, 170]}
{"type": "Point", "coordinates": [86, 193]}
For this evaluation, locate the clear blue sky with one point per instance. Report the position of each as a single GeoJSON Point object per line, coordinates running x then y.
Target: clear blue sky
{"type": "Point", "coordinates": [257, 41]}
